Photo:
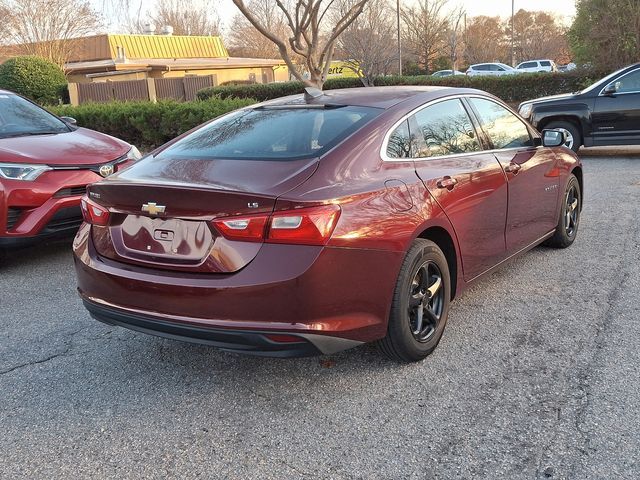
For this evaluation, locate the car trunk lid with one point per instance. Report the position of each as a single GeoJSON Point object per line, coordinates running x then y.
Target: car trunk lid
{"type": "Point", "coordinates": [160, 216]}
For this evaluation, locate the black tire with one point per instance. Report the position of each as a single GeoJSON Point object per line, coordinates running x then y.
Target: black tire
{"type": "Point", "coordinates": [569, 215]}
{"type": "Point", "coordinates": [574, 137]}
{"type": "Point", "coordinates": [412, 336]}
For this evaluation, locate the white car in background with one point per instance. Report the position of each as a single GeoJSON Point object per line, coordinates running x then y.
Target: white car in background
{"type": "Point", "coordinates": [446, 73]}
{"type": "Point", "coordinates": [537, 66]}
{"type": "Point", "coordinates": [496, 69]}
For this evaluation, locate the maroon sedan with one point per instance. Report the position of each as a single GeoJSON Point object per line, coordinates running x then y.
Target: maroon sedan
{"type": "Point", "coordinates": [45, 165]}
{"type": "Point", "coordinates": [312, 224]}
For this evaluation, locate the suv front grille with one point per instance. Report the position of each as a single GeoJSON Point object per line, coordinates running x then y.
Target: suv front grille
{"type": "Point", "coordinates": [65, 219]}
{"type": "Point", "coordinates": [13, 215]}
{"type": "Point", "coordinates": [71, 192]}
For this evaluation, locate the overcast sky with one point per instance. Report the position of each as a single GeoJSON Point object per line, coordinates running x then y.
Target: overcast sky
{"type": "Point", "coordinates": [226, 9]}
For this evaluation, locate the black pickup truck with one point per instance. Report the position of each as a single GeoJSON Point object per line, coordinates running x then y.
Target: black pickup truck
{"type": "Point", "coordinates": [606, 113]}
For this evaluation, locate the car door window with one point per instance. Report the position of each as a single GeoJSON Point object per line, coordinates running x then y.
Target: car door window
{"type": "Point", "coordinates": [545, 64]}
{"type": "Point", "coordinates": [629, 83]}
{"type": "Point", "coordinates": [504, 129]}
{"type": "Point", "coordinates": [529, 65]}
{"type": "Point", "coordinates": [445, 129]}
{"type": "Point", "coordinates": [481, 67]}
{"type": "Point", "coordinates": [400, 144]}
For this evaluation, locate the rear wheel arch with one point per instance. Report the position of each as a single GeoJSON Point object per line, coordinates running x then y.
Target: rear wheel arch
{"type": "Point", "coordinates": [445, 242]}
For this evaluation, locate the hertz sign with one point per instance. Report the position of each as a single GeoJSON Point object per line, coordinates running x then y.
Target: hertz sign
{"type": "Point", "coordinates": [340, 69]}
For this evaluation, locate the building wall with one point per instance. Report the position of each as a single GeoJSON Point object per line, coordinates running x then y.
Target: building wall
{"type": "Point", "coordinates": [259, 75]}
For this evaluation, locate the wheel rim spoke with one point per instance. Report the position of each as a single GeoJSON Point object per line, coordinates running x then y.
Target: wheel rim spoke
{"type": "Point", "coordinates": [426, 301]}
{"type": "Point", "coordinates": [571, 211]}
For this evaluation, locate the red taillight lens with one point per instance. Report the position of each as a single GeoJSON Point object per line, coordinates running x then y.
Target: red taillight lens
{"type": "Point", "coordinates": [93, 213]}
{"type": "Point", "coordinates": [248, 229]}
{"type": "Point", "coordinates": [304, 226]}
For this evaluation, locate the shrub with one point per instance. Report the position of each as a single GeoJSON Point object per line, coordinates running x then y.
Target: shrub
{"type": "Point", "coordinates": [33, 77]}
{"type": "Point", "coordinates": [146, 124]}
{"type": "Point", "coordinates": [511, 88]}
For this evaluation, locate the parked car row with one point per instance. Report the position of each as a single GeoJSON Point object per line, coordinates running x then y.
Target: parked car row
{"type": "Point", "coordinates": [498, 69]}
{"type": "Point", "coordinates": [313, 223]}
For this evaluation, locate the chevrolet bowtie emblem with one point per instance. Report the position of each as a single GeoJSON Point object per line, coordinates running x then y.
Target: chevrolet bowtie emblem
{"type": "Point", "coordinates": [153, 209]}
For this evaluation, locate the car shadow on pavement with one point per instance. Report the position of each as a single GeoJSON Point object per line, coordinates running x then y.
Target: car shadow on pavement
{"type": "Point", "coordinates": [35, 254]}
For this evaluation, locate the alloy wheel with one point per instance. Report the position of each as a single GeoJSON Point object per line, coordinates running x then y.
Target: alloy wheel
{"type": "Point", "coordinates": [568, 138]}
{"type": "Point", "coordinates": [426, 301]}
{"type": "Point", "coordinates": [572, 211]}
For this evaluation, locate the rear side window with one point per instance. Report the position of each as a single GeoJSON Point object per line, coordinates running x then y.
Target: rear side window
{"type": "Point", "coordinates": [504, 129]}
{"type": "Point", "coordinates": [276, 133]}
{"type": "Point", "coordinates": [445, 129]}
{"type": "Point", "coordinates": [545, 63]}
{"type": "Point", "coordinates": [482, 67]}
{"type": "Point", "coordinates": [400, 143]}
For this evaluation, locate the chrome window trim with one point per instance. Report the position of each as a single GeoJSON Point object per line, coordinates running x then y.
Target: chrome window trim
{"type": "Point", "coordinates": [622, 76]}
{"type": "Point", "coordinates": [385, 141]}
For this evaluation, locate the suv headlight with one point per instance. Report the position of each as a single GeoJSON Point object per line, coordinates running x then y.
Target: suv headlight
{"type": "Point", "coordinates": [19, 171]}
{"type": "Point", "coordinates": [525, 110]}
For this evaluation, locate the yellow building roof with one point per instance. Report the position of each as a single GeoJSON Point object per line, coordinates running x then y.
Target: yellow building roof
{"type": "Point", "coordinates": [167, 46]}
{"type": "Point", "coordinates": [105, 47]}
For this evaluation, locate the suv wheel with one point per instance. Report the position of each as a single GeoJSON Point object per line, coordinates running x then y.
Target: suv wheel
{"type": "Point", "coordinates": [571, 132]}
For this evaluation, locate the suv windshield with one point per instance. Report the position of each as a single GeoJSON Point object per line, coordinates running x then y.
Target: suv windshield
{"type": "Point", "coordinates": [19, 117]}
{"type": "Point", "coordinates": [273, 132]}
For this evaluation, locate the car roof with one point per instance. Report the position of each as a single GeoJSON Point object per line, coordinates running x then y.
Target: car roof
{"type": "Point", "coordinates": [377, 97]}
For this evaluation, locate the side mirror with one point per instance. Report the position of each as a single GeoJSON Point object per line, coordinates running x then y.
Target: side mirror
{"type": "Point", "coordinates": [553, 138]}
{"type": "Point", "coordinates": [610, 89]}
{"type": "Point", "coordinates": [69, 120]}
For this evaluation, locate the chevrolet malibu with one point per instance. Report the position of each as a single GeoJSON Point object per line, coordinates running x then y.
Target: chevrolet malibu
{"type": "Point", "coordinates": [315, 223]}
{"type": "Point", "coordinates": [45, 165]}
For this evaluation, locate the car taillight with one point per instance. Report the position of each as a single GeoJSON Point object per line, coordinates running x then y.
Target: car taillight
{"type": "Point", "coordinates": [304, 226]}
{"type": "Point", "coordinates": [248, 229]}
{"type": "Point", "coordinates": [93, 213]}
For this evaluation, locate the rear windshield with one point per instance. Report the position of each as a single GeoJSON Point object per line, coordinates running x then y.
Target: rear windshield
{"type": "Point", "coordinates": [18, 117]}
{"type": "Point", "coordinates": [273, 133]}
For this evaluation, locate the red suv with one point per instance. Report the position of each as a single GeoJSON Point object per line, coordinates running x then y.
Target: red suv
{"type": "Point", "coordinates": [46, 163]}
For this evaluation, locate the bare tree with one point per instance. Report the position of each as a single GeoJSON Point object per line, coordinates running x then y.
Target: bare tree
{"type": "Point", "coordinates": [187, 17]}
{"type": "Point", "coordinates": [244, 40]}
{"type": "Point", "coordinates": [426, 26]}
{"type": "Point", "coordinates": [368, 44]}
{"type": "Point", "coordinates": [306, 35]}
{"type": "Point", "coordinates": [47, 27]}
{"type": "Point", "coordinates": [454, 35]}
{"type": "Point", "coordinates": [484, 41]}
{"type": "Point", "coordinates": [538, 35]}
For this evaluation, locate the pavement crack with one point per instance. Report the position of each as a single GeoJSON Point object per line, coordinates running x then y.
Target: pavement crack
{"type": "Point", "coordinates": [36, 362]}
{"type": "Point", "coordinates": [68, 346]}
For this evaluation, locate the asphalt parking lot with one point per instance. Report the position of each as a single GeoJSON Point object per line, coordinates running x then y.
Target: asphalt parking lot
{"type": "Point", "coordinates": [537, 376]}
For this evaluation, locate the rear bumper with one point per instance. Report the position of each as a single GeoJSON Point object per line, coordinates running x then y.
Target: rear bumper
{"type": "Point", "coordinates": [240, 341]}
{"type": "Point", "coordinates": [334, 298]}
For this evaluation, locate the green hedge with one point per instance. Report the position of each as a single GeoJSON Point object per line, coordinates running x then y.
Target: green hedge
{"type": "Point", "coordinates": [511, 88]}
{"type": "Point", "coordinates": [33, 77]}
{"type": "Point", "coordinates": [145, 124]}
